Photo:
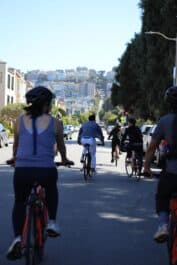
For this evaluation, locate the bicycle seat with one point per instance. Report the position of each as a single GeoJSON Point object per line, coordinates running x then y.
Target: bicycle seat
{"type": "Point", "coordinates": [87, 145]}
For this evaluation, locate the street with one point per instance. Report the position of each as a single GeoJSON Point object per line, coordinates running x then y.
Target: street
{"type": "Point", "coordinates": [108, 221]}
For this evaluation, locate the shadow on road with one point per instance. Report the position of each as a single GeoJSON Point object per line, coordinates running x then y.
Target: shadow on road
{"type": "Point", "coordinates": [108, 221]}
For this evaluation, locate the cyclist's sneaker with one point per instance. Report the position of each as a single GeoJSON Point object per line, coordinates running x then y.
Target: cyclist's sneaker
{"type": "Point", "coordinates": [52, 229]}
{"type": "Point", "coordinates": [14, 251]}
{"type": "Point", "coordinates": [162, 234]}
{"type": "Point", "coordinates": [82, 159]}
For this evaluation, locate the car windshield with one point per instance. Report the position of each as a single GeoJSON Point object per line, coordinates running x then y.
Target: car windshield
{"type": "Point", "coordinates": [1, 127]}
{"type": "Point", "coordinates": [152, 129]}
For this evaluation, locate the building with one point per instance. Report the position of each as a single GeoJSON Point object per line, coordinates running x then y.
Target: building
{"type": "Point", "coordinates": [12, 85]}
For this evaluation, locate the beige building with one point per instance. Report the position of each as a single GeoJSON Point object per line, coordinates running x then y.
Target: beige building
{"type": "Point", "coordinates": [12, 85]}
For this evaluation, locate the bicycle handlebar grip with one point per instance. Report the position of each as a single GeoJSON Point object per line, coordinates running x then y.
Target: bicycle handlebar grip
{"type": "Point", "coordinates": [68, 163]}
{"type": "Point", "coordinates": [10, 162]}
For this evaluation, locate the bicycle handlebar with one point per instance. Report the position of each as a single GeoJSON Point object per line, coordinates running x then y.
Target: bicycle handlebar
{"type": "Point", "coordinates": [11, 162]}
{"type": "Point", "coordinates": [67, 164]}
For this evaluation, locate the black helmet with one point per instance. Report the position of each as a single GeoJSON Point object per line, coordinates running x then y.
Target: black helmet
{"type": "Point", "coordinates": [132, 120]}
{"type": "Point", "coordinates": [92, 117]}
{"type": "Point", "coordinates": [39, 95]}
{"type": "Point", "coordinates": [171, 95]}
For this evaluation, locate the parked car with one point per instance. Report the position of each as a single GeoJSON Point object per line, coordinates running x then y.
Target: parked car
{"type": "Point", "coordinates": [67, 132]}
{"type": "Point", "coordinates": [109, 128]}
{"type": "Point", "coordinates": [159, 153]}
{"type": "Point", "coordinates": [71, 127]}
{"type": "Point", "coordinates": [4, 141]}
{"type": "Point", "coordinates": [145, 129]}
{"type": "Point", "coordinates": [149, 136]}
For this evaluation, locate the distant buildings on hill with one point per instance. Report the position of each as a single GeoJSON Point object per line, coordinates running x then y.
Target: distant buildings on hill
{"type": "Point", "coordinates": [74, 88]}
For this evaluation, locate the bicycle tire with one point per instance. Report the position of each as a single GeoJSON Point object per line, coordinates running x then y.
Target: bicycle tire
{"type": "Point", "coordinates": [85, 167]}
{"type": "Point", "coordinates": [172, 242]}
{"type": "Point", "coordinates": [128, 168]}
{"type": "Point", "coordinates": [139, 168]}
{"type": "Point", "coordinates": [27, 244]}
{"type": "Point", "coordinates": [136, 169]}
{"type": "Point", "coordinates": [39, 230]}
{"type": "Point", "coordinates": [89, 173]}
{"type": "Point", "coordinates": [33, 253]}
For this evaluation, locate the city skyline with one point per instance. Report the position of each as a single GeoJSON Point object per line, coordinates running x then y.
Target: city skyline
{"type": "Point", "coordinates": [51, 35]}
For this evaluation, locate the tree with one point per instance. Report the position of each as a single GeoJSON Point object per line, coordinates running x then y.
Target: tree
{"type": "Point", "coordinates": [145, 69]}
{"type": "Point", "coordinates": [11, 111]}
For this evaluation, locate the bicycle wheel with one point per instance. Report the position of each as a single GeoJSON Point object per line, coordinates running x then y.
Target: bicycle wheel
{"type": "Point", "coordinates": [172, 241]}
{"type": "Point", "coordinates": [135, 169]}
{"type": "Point", "coordinates": [29, 237]}
{"type": "Point", "coordinates": [128, 167]}
{"type": "Point", "coordinates": [85, 167]}
{"type": "Point", "coordinates": [89, 172]}
{"type": "Point", "coordinates": [33, 252]}
{"type": "Point", "coordinates": [39, 235]}
{"type": "Point", "coordinates": [138, 168]}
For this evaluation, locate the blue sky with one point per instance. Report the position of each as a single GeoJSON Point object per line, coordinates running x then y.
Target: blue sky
{"type": "Point", "coordinates": [57, 34]}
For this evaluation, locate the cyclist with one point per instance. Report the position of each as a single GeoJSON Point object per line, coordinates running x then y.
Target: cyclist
{"type": "Point", "coordinates": [115, 134]}
{"type": "Point", "coordinates": [135, 141]}
{"type": "Point", "coordinates": [35, 134]}
{"type": "Point", "coordinates": [87, 134]}
{"type": "Point", "coordinates": [166, 129]}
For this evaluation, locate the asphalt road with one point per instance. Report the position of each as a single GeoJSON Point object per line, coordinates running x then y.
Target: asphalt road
{"type": "Point", "coordinates": [108, 221]}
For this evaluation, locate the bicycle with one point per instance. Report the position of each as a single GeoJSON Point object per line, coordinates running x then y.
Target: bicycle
{"type": "Point", "coordinates": [34, 232]}
{"type": "Point", "coordinates": [133, 165]}
{"type": "Point", "coordinates": [172, 238]}
{"type": "Point", "coordinates": [87, 163]}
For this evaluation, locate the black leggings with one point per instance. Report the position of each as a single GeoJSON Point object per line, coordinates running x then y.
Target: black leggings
{"type": "Point", "coordinates": [166, 186]}
{"type": "Point", "coordinates": [24, 179]}
{"type": "Point", "coordinates": [114, 144]}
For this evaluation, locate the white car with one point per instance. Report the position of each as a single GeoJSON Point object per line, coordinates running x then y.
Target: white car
{"type": "Point", "coordinates": [145, 129]}
{"type": "Point", "coordinates": [67, 132]}
{"type": "Point", "coordinates": [4, 141]}
{"type": "Point", "coordinates": [109, 128]}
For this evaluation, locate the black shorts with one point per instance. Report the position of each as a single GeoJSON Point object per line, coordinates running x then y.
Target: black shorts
{"type": "Point", "coordinates": [24, 178]}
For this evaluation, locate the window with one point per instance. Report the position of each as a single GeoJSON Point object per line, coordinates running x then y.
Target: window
{"type": "Point", "coordinates": [8, 81]}
{"type": "Point", "coordinates": [8, 99]}
{"type": "Point", "coordinates": [12, 100]}
{"type": "Point", "coordinates": [1, 77]}
{"type": "Point", "coordinates": [12, 85]}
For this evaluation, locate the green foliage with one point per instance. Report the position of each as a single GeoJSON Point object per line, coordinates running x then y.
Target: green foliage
{"type": "Point", "coordinates": [9, 114]}
{"type": "Point", "coordinates": [145, 68]}
{"type": "Point", "coordinates": [109, 117]}
{"type": "Point", "coordinates": [11, 111]}
{"type": "Point", "coordinates": [83, 117]}
{"type": "Point", "coordinates": [55, 110]}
